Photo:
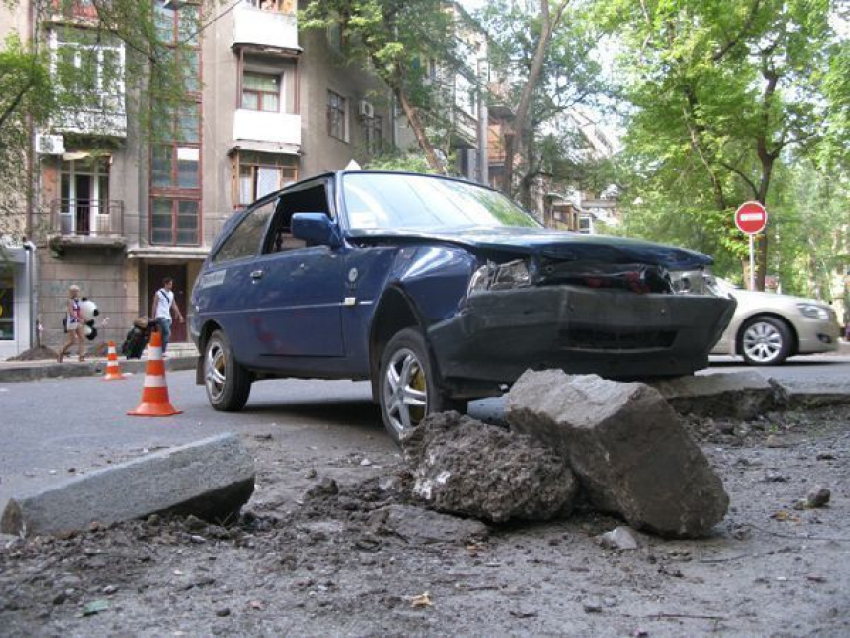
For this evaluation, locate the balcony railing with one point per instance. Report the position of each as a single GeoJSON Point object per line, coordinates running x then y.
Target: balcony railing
{"type": "Point", "coordinates": [70, 218]}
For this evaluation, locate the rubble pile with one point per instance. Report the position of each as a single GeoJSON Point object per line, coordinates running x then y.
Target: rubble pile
{"type": "Point", "coordinates": [627, 446]}
{"type": "Point", "coordinates": [463, 466]}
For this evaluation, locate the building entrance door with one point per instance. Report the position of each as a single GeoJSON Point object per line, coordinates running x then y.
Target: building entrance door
{"type": "Point", "coordinates": [156, 273]}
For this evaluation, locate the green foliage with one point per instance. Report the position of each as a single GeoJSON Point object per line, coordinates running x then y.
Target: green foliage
{"type": "Point", "coordinates": [722, 94]}
{"type": "Point", "coordinates": [27, 99]}
{"type": "Point", "coordinates": [570, 76]}
{"type": "Point", "coordinates": [413, 162]}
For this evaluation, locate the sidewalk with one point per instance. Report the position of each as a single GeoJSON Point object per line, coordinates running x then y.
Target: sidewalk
{"type": "Point", "coordinates": [178, 357]}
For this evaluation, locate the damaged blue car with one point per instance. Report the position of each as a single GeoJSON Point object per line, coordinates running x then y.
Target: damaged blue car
{"type": "Point", "coordinates": [439, 291]}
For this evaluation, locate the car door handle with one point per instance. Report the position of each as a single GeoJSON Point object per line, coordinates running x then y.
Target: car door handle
{"type": "Point", "coordinates": [257, 274]}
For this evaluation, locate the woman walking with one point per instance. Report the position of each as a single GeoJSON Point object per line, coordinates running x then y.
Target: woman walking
{"type": "Point", "coordinates": [73, 325]}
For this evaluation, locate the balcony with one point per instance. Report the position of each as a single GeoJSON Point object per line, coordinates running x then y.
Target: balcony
{"type": "Point", "coordinates": [108, 121]}
{"type": "Point", "coordinates": [86, 223]}
{"type": "Point", "coordinates": [281, 130]}
{"type": "Point", "coordinates": [269, 23]}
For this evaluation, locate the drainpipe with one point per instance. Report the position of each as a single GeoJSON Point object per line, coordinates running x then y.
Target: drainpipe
{"type": "Point", "coordinates": [32, 265]}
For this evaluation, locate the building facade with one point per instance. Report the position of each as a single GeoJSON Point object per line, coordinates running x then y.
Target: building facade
{"type": "Point", "coordinates": [114, 212]}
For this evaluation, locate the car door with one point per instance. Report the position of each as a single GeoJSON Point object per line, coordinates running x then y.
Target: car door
{"type": "Point", "coordinates": [298, 291]}
{"type": "Point", "coordinates": [224, 290]}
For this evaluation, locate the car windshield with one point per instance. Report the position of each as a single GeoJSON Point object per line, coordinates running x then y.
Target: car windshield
{"type": "Point", "coordinates": [401, 200]}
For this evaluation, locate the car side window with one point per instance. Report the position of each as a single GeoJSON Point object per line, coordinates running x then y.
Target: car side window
{"type": "Point", "coordinates": [306, 200]}
{"type": "Point", "coordinates": [245, 240]}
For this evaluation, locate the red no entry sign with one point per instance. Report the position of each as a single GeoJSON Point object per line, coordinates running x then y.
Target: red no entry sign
{"type": "Point", "coordinates": [751, 218]}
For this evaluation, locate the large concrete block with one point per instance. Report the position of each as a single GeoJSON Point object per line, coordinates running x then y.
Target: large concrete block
{"type": "Point", "coordinates": [463, 466]}
{"type": "Point", "coordinates": [740, 395]}
{"type": "Point", "coordinates": [211, 478]}
{"type": "Point", "coordinates": [627, 447]}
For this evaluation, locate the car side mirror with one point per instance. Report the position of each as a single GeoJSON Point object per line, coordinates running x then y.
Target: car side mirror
{"type": "Point", "coordinates": [316, 228]}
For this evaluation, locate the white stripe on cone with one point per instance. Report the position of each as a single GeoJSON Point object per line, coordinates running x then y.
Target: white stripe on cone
{"type": "Point", "coordinates": [154, 352]}
{"type": "Point", "coordinates": [154, 381]}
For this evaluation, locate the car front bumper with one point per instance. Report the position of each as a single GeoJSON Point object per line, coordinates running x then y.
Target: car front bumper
{"type": "Point", "coordinates": [616, 334]}
{"type": "Point", "coordinates": [816, 335]}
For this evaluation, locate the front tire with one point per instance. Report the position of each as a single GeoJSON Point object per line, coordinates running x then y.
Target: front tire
{"type": "Point", "coordinates": [228, 384]}
{"type": "Point", "coordinates": [408, 387]}
{"type": "Point", "coordinates": [765, 341]}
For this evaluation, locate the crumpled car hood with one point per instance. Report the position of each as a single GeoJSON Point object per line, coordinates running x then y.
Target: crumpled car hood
{"type": "Point", "coordinates": [554, 244]}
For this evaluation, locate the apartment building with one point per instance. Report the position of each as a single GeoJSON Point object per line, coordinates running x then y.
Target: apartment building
{"type": "Point", "coordinates": [266, 103]}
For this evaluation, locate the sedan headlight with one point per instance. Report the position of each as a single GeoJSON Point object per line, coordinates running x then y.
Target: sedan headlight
{"type": "Point", "coordinates": [493, 276]}
{"type": "Point", "coordinates": [812, 311]}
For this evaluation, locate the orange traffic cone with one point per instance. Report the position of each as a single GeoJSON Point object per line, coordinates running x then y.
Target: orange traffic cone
{"type": "Point", "coordinates": [113, 370]}
{"type": "Point", "coordinates": [155, 396]}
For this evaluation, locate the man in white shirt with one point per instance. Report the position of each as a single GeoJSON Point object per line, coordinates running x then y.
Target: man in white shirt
{"type": "Point", "coordinates": [161, 308]}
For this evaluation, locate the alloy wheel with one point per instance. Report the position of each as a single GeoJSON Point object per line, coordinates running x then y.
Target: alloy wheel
{"type": "Point", "coordinates": [405, 392]}
{"type": "Point", "coordinates": [763, 342]}
{"type": "Point", "coordinates": [216, 370]}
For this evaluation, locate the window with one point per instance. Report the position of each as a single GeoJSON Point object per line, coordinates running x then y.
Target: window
{"type": "Point", "coordinates": [245, 239]}
{"type": "Point", "coordinates": [375, 134]}
{"type": "Point", "coordinates": [263, 173]}
{"type": "Point", "coordinates": [177, 27]}
{"type": "Point", "coordinates": [175, 166]}
{"type": "Point", "coordinates": [261, 92]}
{"type": "Point", "coordinates": [84, 203]}
{"type": "Point", "coordinates": [90, 67]}
{"type": "Point", "coordinates": [337, 116]}
{"type": "Point", "coordinates": [174, 222]}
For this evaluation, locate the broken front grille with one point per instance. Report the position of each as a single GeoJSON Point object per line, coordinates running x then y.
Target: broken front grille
{"type": "Point", "coordinates": [595, 338]}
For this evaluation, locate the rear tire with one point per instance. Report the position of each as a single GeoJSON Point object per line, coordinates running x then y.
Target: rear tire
{"type": "Point", "coordinates": [408, 389]}
{"type": "Point", "coordinates": [228, 384]}
{"type": "Point", "coordinates": [765, 341]}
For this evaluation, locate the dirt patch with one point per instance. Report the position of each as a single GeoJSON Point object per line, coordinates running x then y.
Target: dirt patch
{"type": "Point", "coordinates": [39, 353]}
{"type": "Point", "coordinates": [308, 558]}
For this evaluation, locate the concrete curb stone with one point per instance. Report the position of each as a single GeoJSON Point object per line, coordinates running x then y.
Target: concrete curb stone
{"type": "Point", "coordinates": [211, 478]}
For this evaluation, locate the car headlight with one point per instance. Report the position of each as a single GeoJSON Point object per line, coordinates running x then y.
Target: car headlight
{"type": "Point", "coordinates": [812, 311]}
{"type": "Point", "coordinates": [493, 276]}
{"type": "Point", "coordinates": [694, 282]}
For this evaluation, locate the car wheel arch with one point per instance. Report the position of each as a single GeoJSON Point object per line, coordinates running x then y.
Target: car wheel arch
{"type": "Point", "coordinates": [395, 311]}
{"type": "Point", "coordinates": [744, 323]}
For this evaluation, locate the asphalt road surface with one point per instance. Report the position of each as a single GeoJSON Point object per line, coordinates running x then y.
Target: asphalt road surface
{"type": "Point", "coordinates": [55, 429]}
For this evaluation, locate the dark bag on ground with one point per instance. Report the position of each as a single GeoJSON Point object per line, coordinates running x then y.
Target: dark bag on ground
{"type": "Point", "coordinates": [137, 339]}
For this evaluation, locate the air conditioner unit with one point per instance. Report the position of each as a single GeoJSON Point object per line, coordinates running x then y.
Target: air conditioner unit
{"type": "Point", "coordinates": [49, 144]}
{"type": "Point", "coordinates": [366, 109]}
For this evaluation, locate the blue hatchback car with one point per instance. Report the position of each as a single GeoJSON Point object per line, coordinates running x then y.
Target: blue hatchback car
{"type": "Point", "coordinates": [438, 290]}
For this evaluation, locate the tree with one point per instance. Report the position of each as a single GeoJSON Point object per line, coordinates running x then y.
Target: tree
{"type": "Point", "coordinates": [26, 99]}
{"type": "Point", "coordinates": [721, 92]}
{"type": "Point", "coordinates": [397, 40]}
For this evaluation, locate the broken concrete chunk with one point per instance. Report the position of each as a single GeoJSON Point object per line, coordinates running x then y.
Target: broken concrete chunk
{"type": "Point", "coordinates": [419, 526]}
{"type": "Point", "coordinates": [464, 466]}
{"type": "Point", "coordinates": [627, 447]}
{"type": "Point", "coordinates": [211, 479]}
{"type": "Point", "coordinates": [621, 538]}
{"type": "Point", "coordinates": [741, 395]}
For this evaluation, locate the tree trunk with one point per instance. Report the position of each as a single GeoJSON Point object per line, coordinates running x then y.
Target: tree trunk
{"type": "Point", "coordinates": [412, 114]}
{"type": "Point", "coordinates": [516, 128]}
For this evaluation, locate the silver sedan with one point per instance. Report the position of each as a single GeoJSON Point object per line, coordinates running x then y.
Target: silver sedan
{"type": "Point", "coordinates": [768, 328]}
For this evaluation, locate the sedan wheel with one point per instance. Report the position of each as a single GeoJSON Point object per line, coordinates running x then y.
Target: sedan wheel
{"type": "Point", "coordinates": [228, 383]}
{"type": "Point", "coordinates": [408, 390]}
{"type": "Point", "coordinates": [765, 341]}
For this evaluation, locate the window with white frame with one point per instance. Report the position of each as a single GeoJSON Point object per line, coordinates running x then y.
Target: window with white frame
{"type": "Point", "coordinates": [90, 66]}
{"type": "Point", "coordinates": [337, 110]}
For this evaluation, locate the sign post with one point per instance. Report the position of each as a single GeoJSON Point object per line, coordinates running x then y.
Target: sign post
{"type": "Point", "coordinates": [751, 218]}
